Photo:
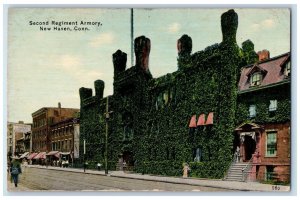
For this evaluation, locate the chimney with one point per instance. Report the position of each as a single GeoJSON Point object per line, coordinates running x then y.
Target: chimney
{"type": "Point", "coordinates": [59, 105]}
{"type": "Point", "coordinates": [263, 55]}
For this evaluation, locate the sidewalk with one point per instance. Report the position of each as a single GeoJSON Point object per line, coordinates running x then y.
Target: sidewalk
{"type": "Point", "coordinates": [234, 185]}
{"type": "Point", "coordinates": [11, 186]}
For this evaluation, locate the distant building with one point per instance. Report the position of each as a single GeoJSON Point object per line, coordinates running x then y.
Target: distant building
{"type": "Point", "coordinates": [264, 105]}
{"type": "Point", "coordinates": [15, 134]}
{"type": "Point", "coordinates": [42, 120]}
{"type": "Point", "coordinates": [64, 138]}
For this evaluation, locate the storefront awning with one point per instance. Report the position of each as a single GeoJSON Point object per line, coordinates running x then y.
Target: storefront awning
{"type": "Point", "coordinates": [201, 120]}
{"type": "Point", "coordinates": [193, 122]}
{"type": "Point", "coordinates": [53, 153]}
{"type": "Point", "coordinates": [24, 155]}
{"type": "Point", "coordinates": [65, 153]}
{"type": "Point", "coordinates": [41, 155]}
{"type": "Point", "coordinates": [31, 156]}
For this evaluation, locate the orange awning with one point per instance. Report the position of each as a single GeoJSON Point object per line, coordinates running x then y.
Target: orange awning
{"type": "Point", "coordinates": [193, 122]}
{"type": "Point", "coordinates": [210, 119]}
{"type": "Point", "coordinates": [201, 120]}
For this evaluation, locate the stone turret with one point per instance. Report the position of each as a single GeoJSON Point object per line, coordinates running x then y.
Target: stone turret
{"type": "Point", "coordinates": [229, 23]}
{"type": "Point", "coordinates": [119, 61]}
{"type": "Point", "coordinates": [249, 54]}
{"type": "Point", "coordinates": [99, 88]}
{"type": "Point", "coordinates": [184, 45]}
{"type": "Point", "coordinates": [85, 93]}
{"type": "Point", "coordinates": [142, 46]}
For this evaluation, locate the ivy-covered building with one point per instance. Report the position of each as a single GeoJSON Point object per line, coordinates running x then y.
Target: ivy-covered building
{"type": "Point", "coordinates": [157, 124]}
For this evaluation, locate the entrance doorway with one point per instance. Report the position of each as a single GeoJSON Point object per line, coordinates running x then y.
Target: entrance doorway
{"type": "Point", "coordinates": [128, 162]}
{"type": "Point", "coordinates": [250, 147]}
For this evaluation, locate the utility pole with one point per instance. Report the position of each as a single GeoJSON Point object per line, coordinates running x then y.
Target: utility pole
{"type": "Point", "coordinates": [131, 31]}
{"type": "Point", "coordinates": [84, 165]}
{"type": "Point", "coordinates": [106, 135]}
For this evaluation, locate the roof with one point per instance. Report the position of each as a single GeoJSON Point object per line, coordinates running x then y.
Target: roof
{"type": "Point", "coordinates": [71, 120]}
{"type": "Point", "coordinates": [272, 69]}
{"type": "Point", "coordinates": [44, 109]}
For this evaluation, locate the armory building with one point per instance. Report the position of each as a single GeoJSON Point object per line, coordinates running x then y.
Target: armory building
{"type": "Point", "coordinates": [217, 101]}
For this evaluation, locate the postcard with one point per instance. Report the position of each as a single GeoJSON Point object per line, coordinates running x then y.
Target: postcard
{"type": "Point", "coordinates": [148, 99]}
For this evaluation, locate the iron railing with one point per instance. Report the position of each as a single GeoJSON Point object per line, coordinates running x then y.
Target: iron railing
{"type": "Point", "coordinates": [233, 160]}
{"type": "Point", "coordinates": [245, 170]}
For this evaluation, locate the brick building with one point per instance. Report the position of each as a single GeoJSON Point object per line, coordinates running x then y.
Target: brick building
{"type": "Point", "coordinates": [64, 138]}
{"type": "Point", "coordinates": [42, 120]}
{"type": "Point", "coordinates": [263, 136]}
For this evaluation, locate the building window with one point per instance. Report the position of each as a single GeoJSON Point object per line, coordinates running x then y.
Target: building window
{"type": "Point", "coordinates": [269, 173]}
{"type": "Point", "coordinates": [287, 69]}
{"type": "Point", "coordinates": [56, 113]}
{"type": "Point", "coordinates": [159, 101]}
{"type": "Point", "coordinates": [271, 143]}
{"type": "Point", "coordinates": [273, 105]}
{"type": "Point", "coordinates": [252, 111]}
{"type": "Point", "coordinates": [256, 79]}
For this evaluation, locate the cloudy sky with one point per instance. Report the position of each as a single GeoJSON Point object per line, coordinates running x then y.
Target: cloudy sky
{"type": "Point", "coordinates": [47, 67]}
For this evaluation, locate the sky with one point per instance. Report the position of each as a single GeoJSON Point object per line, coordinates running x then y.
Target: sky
{"type": "Point", "coordinates": [47, 67]}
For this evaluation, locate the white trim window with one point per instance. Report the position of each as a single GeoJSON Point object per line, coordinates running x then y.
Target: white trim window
{"type": "Point", "coordinates": [287, 69]}
{"type": "Point", "coordinates": [273, 105]}
{"type": "Point", "coordinates": [271, 147]}
{"type": "Point", "coordinates": [252, 111]}
{"type": "Point", "coordinates": [256, 79]}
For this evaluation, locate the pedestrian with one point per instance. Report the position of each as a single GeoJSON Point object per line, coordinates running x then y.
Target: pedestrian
{"type": "Point", "coordinates": [15, 170]}
{"type": "Point", "coordinates": [124, 165]}
{"type": "Point", "coordinates": [185, 170]}
{"type": "Point", "coordinates": [99, 166]}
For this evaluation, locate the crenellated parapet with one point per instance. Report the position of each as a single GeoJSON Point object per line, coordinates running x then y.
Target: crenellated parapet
{"type": "Point", "coordinates": [86, 94]}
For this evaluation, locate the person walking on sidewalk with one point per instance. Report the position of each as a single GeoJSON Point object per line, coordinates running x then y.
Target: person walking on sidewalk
{"type": "Point", "coordinates": [186, 169]}
{"type": "Point", "coordinates": [99, 166]}
{"type": "Point", "coordinates": [15, 170]}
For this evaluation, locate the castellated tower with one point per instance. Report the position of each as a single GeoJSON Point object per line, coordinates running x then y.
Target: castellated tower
{"type": "Point", "coordinates": [119, 62]}
{"type": "Point", "coordinates": [142, 46]}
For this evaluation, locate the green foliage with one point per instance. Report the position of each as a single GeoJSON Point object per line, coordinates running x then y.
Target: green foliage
{"type": "Point", "coordinates": [261, 99]}
{"type": "Point", "coordinates": [158, 111]}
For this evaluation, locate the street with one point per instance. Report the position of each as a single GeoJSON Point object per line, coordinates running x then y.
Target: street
{"type": "Point", "coordinates": [42, 179]}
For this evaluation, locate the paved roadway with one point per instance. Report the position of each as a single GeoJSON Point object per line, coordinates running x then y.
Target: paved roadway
{"type": "Point", "coordinates": [41, 179]}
